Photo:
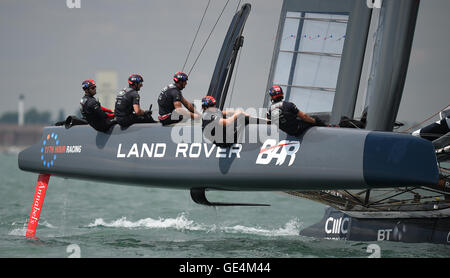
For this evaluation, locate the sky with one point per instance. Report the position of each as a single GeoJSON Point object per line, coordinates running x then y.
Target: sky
{"type": "Point", "coordinates": [48, 49]}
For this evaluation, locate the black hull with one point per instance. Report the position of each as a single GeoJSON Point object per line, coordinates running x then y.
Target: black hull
{"type": "Point", "coordinates": [337, 225]}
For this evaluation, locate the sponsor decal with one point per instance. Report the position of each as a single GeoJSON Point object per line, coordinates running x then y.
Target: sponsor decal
{"type": "Point", "coordinates": [280, 151]}
{"type": "Point", "coordinates": [384, 234]}
{"type": "Point", "coordinates": [398, 234]}
{"type": "Point", "coordinates": [337, 226]}
{"type": "Point", "coordinates": [185, 150]}
{"type": "Point", "coordinates": [52, 148]}
{"type": "Point", "coordinates": [39, 195]}
{"type": "Point", "coordinates": [38, 200]}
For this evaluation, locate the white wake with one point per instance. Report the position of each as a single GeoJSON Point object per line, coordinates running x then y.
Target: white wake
{"type": "Point", "coordinates": [21, 231]}
{"type": "Point", "coordinates": [182, 223]}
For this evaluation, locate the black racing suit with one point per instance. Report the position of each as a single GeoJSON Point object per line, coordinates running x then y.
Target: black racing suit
{"type": "Point", "coordinates": [222, 136]}
{"type": "Point", "coordinates": [167, 114]}
{"type": "Point", "coordinates": [210, 123]}
{"type": "Point", "coordinates": [124, 109]}
{"type": "Point", "coordinates": [435, 130]}
{"type": "Point", "coordinates": [284, 114]}
{"type": "Point", "coordinates": [92, 112]}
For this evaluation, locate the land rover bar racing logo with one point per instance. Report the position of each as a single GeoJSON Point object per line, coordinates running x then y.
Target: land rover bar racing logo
{"type": "Point", "coordinates": [271, 150]}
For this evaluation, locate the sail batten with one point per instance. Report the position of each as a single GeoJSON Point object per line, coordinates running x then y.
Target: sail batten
{"type": "Point", "coordinates": [319, 19]}
{"type": "Point", "coordinates": [310, 88]}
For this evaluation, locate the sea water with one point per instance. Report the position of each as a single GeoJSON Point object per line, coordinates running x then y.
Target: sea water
{"type": "Point", "coordinates": [89, 219]}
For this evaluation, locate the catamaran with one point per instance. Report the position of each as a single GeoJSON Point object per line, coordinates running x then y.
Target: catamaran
{"type": "Point", "coordinates": [378, 184]}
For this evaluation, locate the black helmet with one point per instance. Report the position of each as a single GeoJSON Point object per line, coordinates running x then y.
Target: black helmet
{"type": "Point", "coordinates": [135, 79]}
{"type": "Point", "coordinates": [180, 76]}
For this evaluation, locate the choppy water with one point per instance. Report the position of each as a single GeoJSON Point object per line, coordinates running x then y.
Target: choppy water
{"type": "Point", "coordinates": [87, 219]}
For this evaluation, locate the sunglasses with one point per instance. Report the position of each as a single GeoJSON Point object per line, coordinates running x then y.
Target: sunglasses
{"type": "Point", "coordinates": [92, 87]}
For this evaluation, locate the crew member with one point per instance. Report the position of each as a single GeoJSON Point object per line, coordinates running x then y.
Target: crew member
{"type": "Point", "coordinates": [170, 100]}
{"type": "Point", "coordinates": [435, 130]}
{"type": "Point", "coordinates": [216, 124]}
{"type": "Point", "coordinates": [128, 110]}
{"type": "Point", "coordinates": [287, 116]}
{"type": "Point", "coordinates": [98, 117]}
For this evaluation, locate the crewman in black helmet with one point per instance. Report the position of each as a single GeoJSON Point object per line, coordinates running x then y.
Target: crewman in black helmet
{"type": "Point", "coordinates": [437, 129]}
{"type": "Point", "coordinates": [171, 99]}
{"type": "Point", "coordinates": [287, 116]}
{"type": "Point", "coordinates": [220, 127]}
{"type": "Point", "coordinates": [128, 110]}
{"type": "Point", "coordinates": [98, 117]}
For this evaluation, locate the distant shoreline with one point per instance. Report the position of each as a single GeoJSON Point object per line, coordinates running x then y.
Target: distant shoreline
{"type": "Point", "coordinates": [12, 150]}
{"type": "Point", "coordinates": [14, 138]}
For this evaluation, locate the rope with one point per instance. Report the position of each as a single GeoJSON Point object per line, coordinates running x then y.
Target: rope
{"type": "Point", "coordinates": [195, 37]}
{"type": "Point", "coordinates": [237, 66]}
{"type": "Point", "coordinates": [425, 120]}
{"type": "Point", "coordinates": [237, 7]}
{"type": "Point", "coordinates": [437, 135]}
{"type": "Point", "coordinates": [207, 39]}
{"type": "Point", "coordinates": [350, 122]}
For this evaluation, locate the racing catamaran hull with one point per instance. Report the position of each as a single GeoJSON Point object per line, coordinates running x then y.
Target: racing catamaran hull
{"type": "Point", "coordinates": [398, 227]}
{"type": "Point", "coordinates": [153, 155]}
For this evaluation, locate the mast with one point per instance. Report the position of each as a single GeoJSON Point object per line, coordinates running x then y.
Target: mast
{"type": "Point", "coordinates": [223, 71]}
{"type": "Point", "coordinates": [352, 62]}
{"type": "Point", "coordinates": [398, 18]}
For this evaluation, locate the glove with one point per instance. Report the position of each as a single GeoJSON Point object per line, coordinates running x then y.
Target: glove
{"type": "Point", "coordinates": [106, 110]}
{"type": "Point", "coordinates": [319, 122]}
{"type": "Point", "coordinates": [109, 115]}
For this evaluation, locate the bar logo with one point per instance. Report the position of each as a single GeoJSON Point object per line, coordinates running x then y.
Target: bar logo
{"type": "Point", "coordinates": [271, 150]}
